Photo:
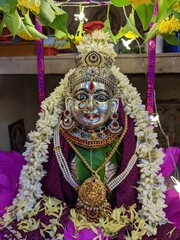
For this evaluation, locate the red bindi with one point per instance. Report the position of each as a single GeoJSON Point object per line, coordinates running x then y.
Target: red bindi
{"type": "Point", "coordinates": [91, 86]}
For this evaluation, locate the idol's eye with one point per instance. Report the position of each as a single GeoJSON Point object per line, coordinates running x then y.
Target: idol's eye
{"type": "Point", "coordinates": [81, 96]}
{"type": "Point", "coordinates": [101, 98]}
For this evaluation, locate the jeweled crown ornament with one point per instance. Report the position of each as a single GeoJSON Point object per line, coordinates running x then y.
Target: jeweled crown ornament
{"type": "Point", "coordinates": [94, 65]}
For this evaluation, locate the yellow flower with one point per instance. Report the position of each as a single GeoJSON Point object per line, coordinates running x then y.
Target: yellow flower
{"type": "Point", "coordinates": [77, 39]}
{"type": "Point", "coordinates": [138, 2]}
{"type": "Point", "coordinates": [33, 5]}
{"type": "Point", "coordinates": [168, 25]}
{"type": "Point", "coordinates": [131, 35]}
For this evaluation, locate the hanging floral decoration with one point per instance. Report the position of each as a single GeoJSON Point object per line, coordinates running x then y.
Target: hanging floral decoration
{"type": "Point", "coordinates": [49, 13]}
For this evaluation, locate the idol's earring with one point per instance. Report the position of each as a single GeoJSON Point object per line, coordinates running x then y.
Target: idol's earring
{"type": "Point", "coordinates": [114, 126]}
{"type": "Point", "coordinates": [67, 122]}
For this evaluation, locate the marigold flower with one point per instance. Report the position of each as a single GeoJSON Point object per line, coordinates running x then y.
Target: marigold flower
{"type": "Point", "coordinates": [131, 35]}
{"type": "Point", "coordinates": [138, 2]}
{"type": "Point", "coordinates": [33, 5]}
{"type": "Point", "coordinates": [168, 25]}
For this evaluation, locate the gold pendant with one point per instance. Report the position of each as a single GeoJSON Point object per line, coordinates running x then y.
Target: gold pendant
{"type": "Point", "coordinates": [92, 202]}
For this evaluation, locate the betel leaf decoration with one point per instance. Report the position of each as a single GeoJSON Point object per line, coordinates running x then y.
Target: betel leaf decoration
{"type": "Point", "coordinates": [164, 6]}
{"type": "Point", "coordinates": [120, 3]}
{"type": "Point", "coordinates": [30, 29]}
{"type": "Point", "coordinates": [117, 156]}
{"type": "Point", "coordinates": [171, 39]}
{"type": "Point", "coordinates": [47, 14]}
{"type": "Point", "coordinates": [107, 28]}
{"type": "Point", "coordinates": [152, 33]}
{"type": "Point", "coordinates": [130, 26]}
{"type": "Point", "coordinates": [60, 23]}
{"type": "Point", "coordinates": [95, 158]}
{"type": "Point", "coordinates": [54, 17]}
{"type": "Point", "coordinates": [145, 13]}
{"type": "Point", "coordinates": [7, 5]}
{"type": "Point", "coordinates": [13, 22]}
{"type": "Point", "coordinates": [1, 27]}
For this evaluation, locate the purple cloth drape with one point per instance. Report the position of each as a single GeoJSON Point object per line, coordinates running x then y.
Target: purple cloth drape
{"type": "Point", "coordinates": [10, 166]}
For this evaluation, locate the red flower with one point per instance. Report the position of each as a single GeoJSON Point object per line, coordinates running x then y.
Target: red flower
{"type": "Point", "coordinates": [94, 25]}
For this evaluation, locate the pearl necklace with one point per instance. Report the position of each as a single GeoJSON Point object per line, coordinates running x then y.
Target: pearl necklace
{"type": "Point", "coordinates": [117, 180]}
{"type": "Point", "coordinates": [61, 160]}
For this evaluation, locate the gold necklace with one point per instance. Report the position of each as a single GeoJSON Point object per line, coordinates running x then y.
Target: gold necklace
{"type": "Point", "coordinates": [88, 143]}
{"type": "Point", "coordinates": [92, 202]}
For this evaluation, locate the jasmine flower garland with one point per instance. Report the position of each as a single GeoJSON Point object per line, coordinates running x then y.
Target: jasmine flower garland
{"type": "Point", "coordinates": [150, 187]}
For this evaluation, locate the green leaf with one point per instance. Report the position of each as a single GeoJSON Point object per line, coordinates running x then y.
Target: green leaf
{"type": "Point", "coordinates": [133, 29]}
{"type": "Point", "coordinates": [171, 39]}
{"type": "Point", "coordinates": [59, 34]}
{"type": "Point", "coordinates": [152, 33]}
{"type": "Point", "coordinates": [131, 18]}
{"type": "Point", "coordinates": [117, 156]}
{"type": "Point", "coordinates": [107, 28]}
{"type": "Point", "coordinates": [13, 22]}
{"type": "Point", "coordinates": [23, 10]}
{"type": "Point", "coordinates": [145, 14]}
{"type": "Point", "coordinates": [6, 5]}
{"type": "Point", "coordinates": [79, 28]}
{"type": "Point", "coordinates": [55, 8]}
{"type": "Point", "coordinates": [34, 33]}
{"type": "Point", "coordinates": [47, 14]}
{"type": "Point", "coordinates": [178, 10]}
{"type": "Point", "coordinates": [120, 3]}
{"type": "Point", "coordinates": [130, 26]}
{"type": "Point", "coordinates": [30, 28]}
{"type": "Point", "coordinates": [60, 23]}
{"type": "Point", "coordinates": [176, 13]}
{"type": "Point", "coordinates": [1, 28]}
{"type": "Point", "coordinates": [122, 32]}
{"type": "Point", "coordinates": [94, 157]}
{"type": "Point", "coordinates": [164, 7]}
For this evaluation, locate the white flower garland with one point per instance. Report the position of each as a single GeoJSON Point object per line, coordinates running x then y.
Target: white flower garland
{"type": "Point", "coordinates": [151, 187]}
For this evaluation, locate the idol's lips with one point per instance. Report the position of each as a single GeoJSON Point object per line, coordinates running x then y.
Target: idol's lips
{"type": "Point", "coordinates": [91, 116]}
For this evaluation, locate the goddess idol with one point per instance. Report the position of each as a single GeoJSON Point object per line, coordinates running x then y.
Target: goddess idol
{"type": "Point", "coordinates": [93, 168]}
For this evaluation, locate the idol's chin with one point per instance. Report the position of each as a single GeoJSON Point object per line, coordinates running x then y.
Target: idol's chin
{"type": "Point", "coordinates": [91, 124]}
